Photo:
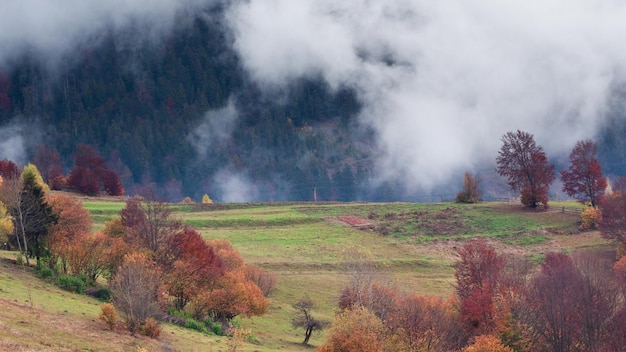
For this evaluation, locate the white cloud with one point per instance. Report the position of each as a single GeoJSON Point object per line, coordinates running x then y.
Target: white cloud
{"type": "Point", "coordinates": [443, 81]}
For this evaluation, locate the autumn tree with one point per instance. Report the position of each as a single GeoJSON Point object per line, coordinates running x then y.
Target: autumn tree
{"type": "Point", "coordinates": [9, 169]}
{"type": "Point", "coordinates": [135, 290]}
{"type": "Point", "coordinates": [487, 343]}
{"type": "Point", "coordinates": [584, 179]}
{"type": "Point", "coordinates": [150, 225]}
{"type": "Point", "coordinates": [612, 224]}
{"type": "Point", "coordinates": [90, 175]}
{"type": "Point", "coordinates": [73, 222]}
{"type": "Point", "coordinates": [232, 296]}
{"type": "Point", "coordinates": [195, 267]}
{"type": "Point", "coordinates": [423, 323]}
{"type": "Point", "coordinates": [357, 329]}
{"type": "Point", "coordinates": [50, 164]}
{"type": "Point", "coordinates": [526, 167]}
{"type": "Point", "coordinates": [477, 276]}
{"type": "Point", "coordinates": [471, 189]}
{"type": "Point", "coordinates": [32, 215]}
{"type": "Point", "coordinates": [553, 303]}
{"type": "Point", "coordinates": [304, 318]}
{"type": "Point", "coordinates": [265, 280]}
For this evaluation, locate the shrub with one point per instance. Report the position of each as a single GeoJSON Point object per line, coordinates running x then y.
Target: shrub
{"type": "Point", "coordinates": [195, 325]}
{"type": "Point", "coordinates": [216, 328]}
{"type": "Point", "coordinates": [71, 283]}
{"type": "Point", "coordinates": [102, 293]}
{"type": "Point", "coordinates": [151, 328]}
{"type": "Point", "coordinates": [46, 273]}
{"type": "Point", "coordinates": [590, 218]}
{"type": "Point", "coordinates": [109, 315]}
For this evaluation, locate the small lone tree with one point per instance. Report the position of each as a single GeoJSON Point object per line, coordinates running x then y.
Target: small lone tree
{"type": "Point", "coordinates": [305, 320]}
{"type": "Point", "coordinates": [471, 189]}
{"type": "Point", "coordinates": [583, 179]}
{"type": "Point", "coordinates": [525, 165]}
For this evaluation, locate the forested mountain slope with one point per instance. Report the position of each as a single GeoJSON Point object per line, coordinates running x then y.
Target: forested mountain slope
{"type": "Point", "coordinates": [180, 115]}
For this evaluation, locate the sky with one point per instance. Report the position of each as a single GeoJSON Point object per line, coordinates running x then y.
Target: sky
{"type": "Point", "coordinates": [440, 81]}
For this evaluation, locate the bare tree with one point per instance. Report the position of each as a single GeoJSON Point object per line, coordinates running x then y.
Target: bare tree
{"type": "Point", "coordinates": [305, 319]}
{"type": "Point", "coordinates": [135, 290]}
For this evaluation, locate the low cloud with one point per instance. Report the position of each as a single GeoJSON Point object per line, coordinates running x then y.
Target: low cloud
{"type": "Point", "coordinates": [441, 82]}
{"type": "Point", "coordinates": [215, 128]}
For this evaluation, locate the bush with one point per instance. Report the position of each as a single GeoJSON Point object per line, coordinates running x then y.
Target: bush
{"type": "Point", "coordinates": [590, 218]}
{"type": "Point", "coordinates": [196, 325]}
{"type": "Point", "coordinates": [215, 327]}
{"type": "Point", "coordinates": [109, 315]}
{"type": "Point", "coordinates": [46, 273]}
{"type": "Point", "coordinates": [71, 283]}
{"type": "Point", "coordinates": [151, 328]}
{"type": "Point", "coordinates": [102, 293]}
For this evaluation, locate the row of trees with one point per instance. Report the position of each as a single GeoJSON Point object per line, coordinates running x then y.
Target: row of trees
{"type": "Point", "coordinates": [151, 261]}
{"type": "Point", "coordinates": [569, 303]}
{"type": "Point", "coordinates": [526, 167]}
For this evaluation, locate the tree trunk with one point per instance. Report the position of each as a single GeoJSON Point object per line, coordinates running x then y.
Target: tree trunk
{"type": "Point", "coordinates": [307, 335]}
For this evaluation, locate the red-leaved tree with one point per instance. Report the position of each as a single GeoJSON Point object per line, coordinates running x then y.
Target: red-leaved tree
{"type": "Point", "coordinates": [526, 167]}
{"type": "Point", "coordinates": [90, 174]}
{"type": "Point", "coordinates": [584, 179]}
{"type": "Point", "coordinates": [477, 276]}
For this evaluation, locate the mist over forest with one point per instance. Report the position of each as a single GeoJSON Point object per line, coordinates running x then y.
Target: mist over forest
{"type": "Point", "coordinates": [280, 100]}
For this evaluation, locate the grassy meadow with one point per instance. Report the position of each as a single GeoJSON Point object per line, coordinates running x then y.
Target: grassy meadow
{"type": "Point", "coordinates": [413, 246]}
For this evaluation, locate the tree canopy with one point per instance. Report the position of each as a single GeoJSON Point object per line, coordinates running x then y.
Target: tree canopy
{"type": "Point", "coordinates": [526, 167]}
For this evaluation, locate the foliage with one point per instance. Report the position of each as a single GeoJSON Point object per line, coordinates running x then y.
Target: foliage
{"type": "Point", "coordinates": [478, 274]}
{"type": "Point", "coordinates": [195, 267]}
{"type": "Point", "coordinates": [149, 225]}
{"type": "Point", "coordinates": [304, 319]}
{"type": "Point", "coordinates": [266, 281]}
{"type": "Point", "coordinates": [6, 223]}
{"type": "Point", "coordinates": [572, 305]}
{"type": "Point", "coordinates": [49, 162]}
{"type": "Point", "coordinates": [8, 169]}
{"type": "Point", "coordinates": [31, 214]}
{"type": "Point", "coordinates": [425, 323]}
{"type": "Point", "coordinates": [526, 167]}
{"type": "Point", "coordinates": [151, 328]}
{"type": "Point", "coordinates": [471, 192]}
{"type": "Point", "coordinates": [91, 176]}
{"type": "Point", "coordinates": [206, 199]}
{"type": "Point", "coordinates": [613, 221]}
{"type": "Point", "coordinates": [135, 290]}
{"type": "Point", "coordinates": [584, 179]}
{"type": "Point", "coordinates": [590, 218]}
{"type": "Point", "coordinates": [487, 343]}
{"type": "Point", "coordinates": [234, 296]}
{"type": "Point", "coordinates": [73, 221]}
{"type": "Point", "coordinates": [109, 315]}
{"type": "Point", "coordinates": [71, 283]}
{"type": "Point", "coordinates": [357, 329]}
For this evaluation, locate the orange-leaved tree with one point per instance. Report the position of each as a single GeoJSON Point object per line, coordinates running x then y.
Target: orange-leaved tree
{"type": "Point", "coordinates": [357, 329]}
{"type": "Point", "coordinates": [73, 221]}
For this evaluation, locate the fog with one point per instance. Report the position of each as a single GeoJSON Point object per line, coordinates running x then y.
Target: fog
{"type": "Point", "coordinates": [440, 81]}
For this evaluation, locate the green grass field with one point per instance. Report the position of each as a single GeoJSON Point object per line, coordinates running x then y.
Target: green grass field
{"type": "Point", "coordinates": [413, 246]}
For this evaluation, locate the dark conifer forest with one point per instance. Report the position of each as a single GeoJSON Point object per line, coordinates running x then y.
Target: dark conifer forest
{"type": "Point", "coordinates": [161, 114]}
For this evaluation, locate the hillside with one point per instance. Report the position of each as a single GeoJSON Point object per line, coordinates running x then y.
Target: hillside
{"type": "Point", "coordinates": [413, 245]}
